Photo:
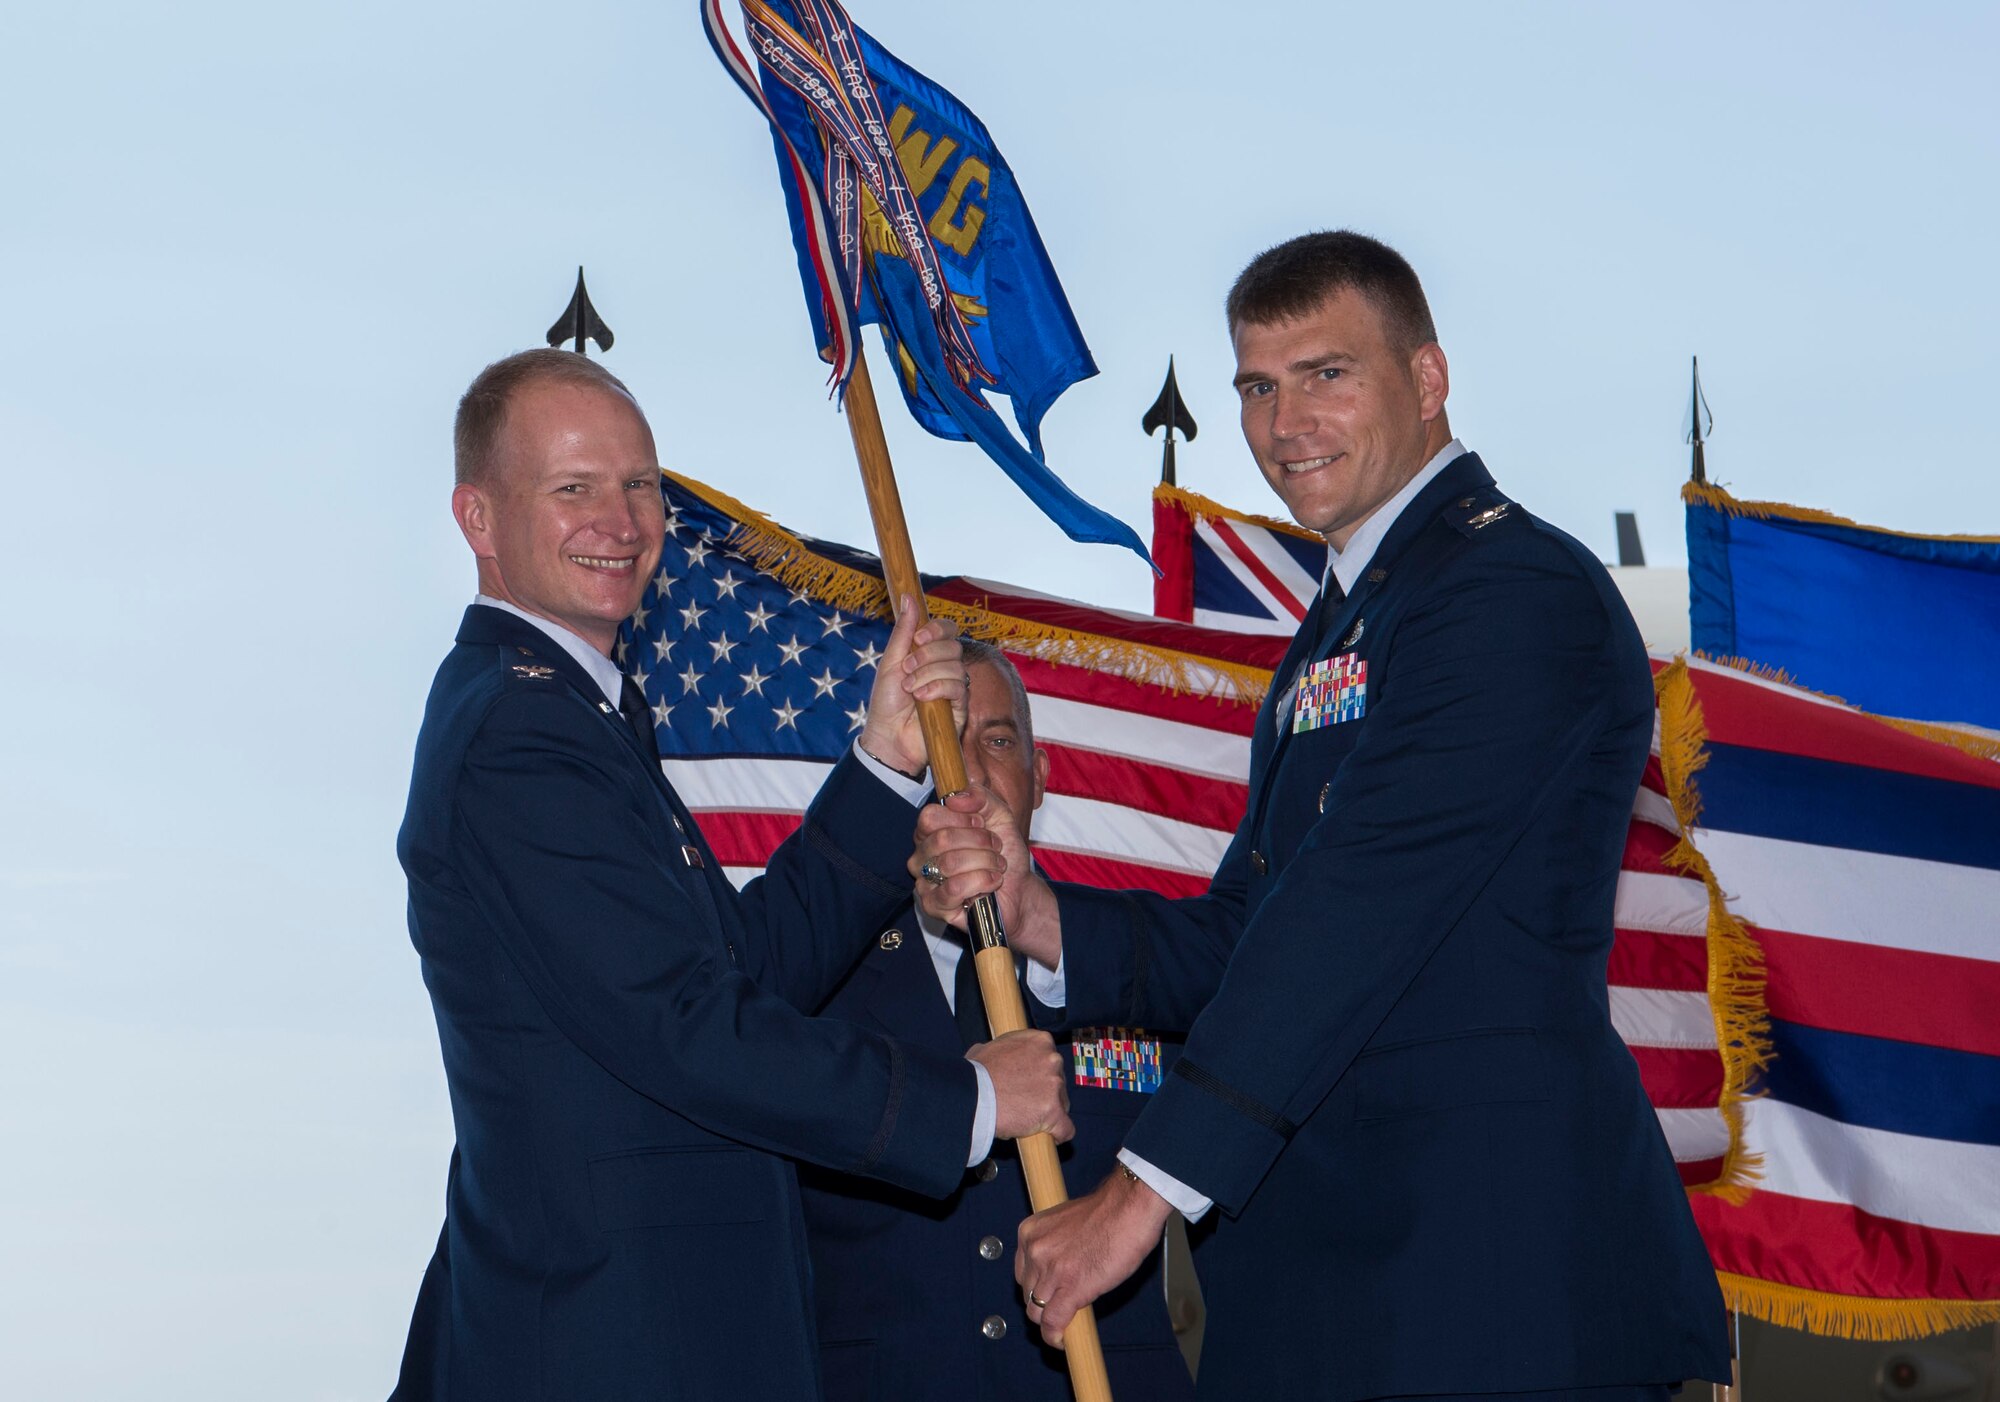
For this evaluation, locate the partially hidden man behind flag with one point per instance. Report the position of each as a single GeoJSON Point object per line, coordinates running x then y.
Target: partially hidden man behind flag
{"type": "Point", "coordinates": [905, 215]}
{"type": "Point", "coordinates": [1895, 623]}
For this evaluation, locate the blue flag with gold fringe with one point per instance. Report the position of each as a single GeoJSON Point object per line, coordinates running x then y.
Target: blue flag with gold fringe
{"type": "Point", "coordinates": [1898, 624]}
{"type": "Point", "coordinates": [905, 215]}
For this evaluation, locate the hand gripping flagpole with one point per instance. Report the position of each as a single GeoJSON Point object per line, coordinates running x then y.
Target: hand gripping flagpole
{"type": "Point", "coordinates": [994, 962]}
{"type": "Point", "coordinates": [831, 248]}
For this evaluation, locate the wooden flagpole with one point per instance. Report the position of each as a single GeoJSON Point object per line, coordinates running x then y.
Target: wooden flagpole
{"type": "Point", "coordinates": [993, 961]}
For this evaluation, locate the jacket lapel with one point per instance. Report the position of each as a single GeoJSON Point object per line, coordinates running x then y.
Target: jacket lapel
{"type": "Point", "coordinates": [491, 627]}
{"type": "Point", "coordinates": [1462, 476]}
{"type": "Point", "coordinates": [906, 998]}
{"type": "Point", "coordinates": [484, 626]}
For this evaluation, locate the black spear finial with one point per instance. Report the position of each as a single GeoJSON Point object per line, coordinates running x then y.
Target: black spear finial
{"type": "Point", "coordinates": [1169, 413]}
{"type": "Point", "coordinates": [580, 322]}
{"type": "Point", "coordinates": [1700, 423]}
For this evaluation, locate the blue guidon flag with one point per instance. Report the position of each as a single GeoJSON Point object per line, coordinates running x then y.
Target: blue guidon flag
{"type": "Point", "coordinates": [904, 214]}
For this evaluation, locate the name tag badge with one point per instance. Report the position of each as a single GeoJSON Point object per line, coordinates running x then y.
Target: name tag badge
{"type": "Point", "coordinates": [1116, 1058]}
{"type": "Point", "coordinates": [1331, 691]}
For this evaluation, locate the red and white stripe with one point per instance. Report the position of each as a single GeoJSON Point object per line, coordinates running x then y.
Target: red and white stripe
{"type": "Point", "coordinates": [1658, 977]}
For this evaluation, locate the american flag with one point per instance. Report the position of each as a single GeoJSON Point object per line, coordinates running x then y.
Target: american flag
{"type": "Point", "coordinates": [756, 646]}
{"type": "Point", "coordinates": [1777, 836]}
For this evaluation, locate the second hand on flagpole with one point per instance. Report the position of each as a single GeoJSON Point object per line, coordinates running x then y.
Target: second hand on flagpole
{"type": "Point", "coordinates": [994, 962]}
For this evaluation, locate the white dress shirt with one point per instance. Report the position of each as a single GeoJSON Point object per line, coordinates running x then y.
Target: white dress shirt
{"type": "Point", "coordinates": [1346, 567]}
{"type": "Point", "coordinates": [610, 681]}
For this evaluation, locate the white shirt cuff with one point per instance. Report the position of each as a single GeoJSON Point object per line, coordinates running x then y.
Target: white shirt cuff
{"type": "Point", "coordinates": [1048, 985]}
{"type": "Point", "coordinates": [984, 1116]}
{"type": "Point", "coordinates": [1179, 1196]}
{"type": "Point", "coordinates": [913, 791]}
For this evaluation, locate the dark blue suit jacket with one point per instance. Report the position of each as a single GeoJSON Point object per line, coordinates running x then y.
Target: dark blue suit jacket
{"type": "Point", "coordinates": [629, 1053]}
{"type": "Point", "coordinates": [902, 1286]}
{"type": "Point", "coordinates": [1437, 1168]}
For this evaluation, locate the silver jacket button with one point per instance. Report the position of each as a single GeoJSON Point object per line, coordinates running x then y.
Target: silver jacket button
{"type": "Point", "coordinates": [987, 1171]}
{"type": "Point", "coordinates": [990, 1248]}
{"type": "Point", "coordinates": [994, 1328]}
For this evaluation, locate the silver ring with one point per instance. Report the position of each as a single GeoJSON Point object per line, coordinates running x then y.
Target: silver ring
{"type": "Point", "coordinates": [933, 873]}
{"type": "Point", "coordinates": [1037, 1301]}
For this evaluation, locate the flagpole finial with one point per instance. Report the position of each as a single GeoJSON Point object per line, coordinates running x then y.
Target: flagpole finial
{"type": "Point", "coordinates": [1700, 423]}
{"type": "Point", "coordinates": [580, 322]}
{"type": "Point", "coordinates": [1170, 413]}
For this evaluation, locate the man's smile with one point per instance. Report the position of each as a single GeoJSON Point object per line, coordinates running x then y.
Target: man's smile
{"type": "Point", "coordinates": [1293, 469]}
{"type": "Point", "coordinates": [600, 562]}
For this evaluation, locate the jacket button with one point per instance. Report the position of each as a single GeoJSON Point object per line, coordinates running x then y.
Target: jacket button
{"type": "Point", "coordinates": [994, 1328]}
{"type": "Point", "coordinates": [990, 1248]}
{"type": "Point", "coordinates": [1465, 502]}
{"type": "Point", "coordinates": [1258, 864]}
{"type": "Point", "coordinates": [987, 1171]}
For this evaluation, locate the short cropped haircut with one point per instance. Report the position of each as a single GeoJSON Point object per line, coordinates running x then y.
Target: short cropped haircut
{"type": "Point", "coordinates": [1297, 277]}
{"type": "Point", "coordinates": [482, 411]}
{"type": "Point", "coordinates": [979, 650]}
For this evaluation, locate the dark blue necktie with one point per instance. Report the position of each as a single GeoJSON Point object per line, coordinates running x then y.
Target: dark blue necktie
{"type": "Point", "coordinates": [632, 706]}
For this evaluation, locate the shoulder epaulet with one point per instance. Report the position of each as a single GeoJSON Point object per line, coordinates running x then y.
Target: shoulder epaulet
{"type": "Point", "coordinates": [1482, 509]}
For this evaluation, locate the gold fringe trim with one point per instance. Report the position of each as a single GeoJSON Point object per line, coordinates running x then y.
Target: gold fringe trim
{"type": "Point", "coordinates": [1709, 495]}
{"type": "Point", "coordinates": [1851, 1316]}
{"type": "Point", "coordinates": [1764, 671]}
{"type": "Point", "coordinates": [1197, 506]}
{"type": "Point", "coordinates": [1980, 746]}
{"type": "Point", "coordinates": [1971, 740]}
{"type": "Point", "coordinates": [1735, 962]}
{"type": "Point", "coordinates": [776, 551]}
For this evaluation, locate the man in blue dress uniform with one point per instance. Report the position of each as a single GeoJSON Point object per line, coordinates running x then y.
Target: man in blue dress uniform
{"type": "Point", "coordinates": [627, 1039]}
{"type": "Point", "coordinates": [1437, 1171]}
{"type": "Point", "coordinates": [916, 1297]}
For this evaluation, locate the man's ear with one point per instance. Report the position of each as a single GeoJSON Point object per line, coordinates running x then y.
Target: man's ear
{"type": "Point", "coordinates": [473, 511]}
{"type": "Point", "coordinates": [1433, 377]}
{"type": "Point", "coordinates": [1041, 767]}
